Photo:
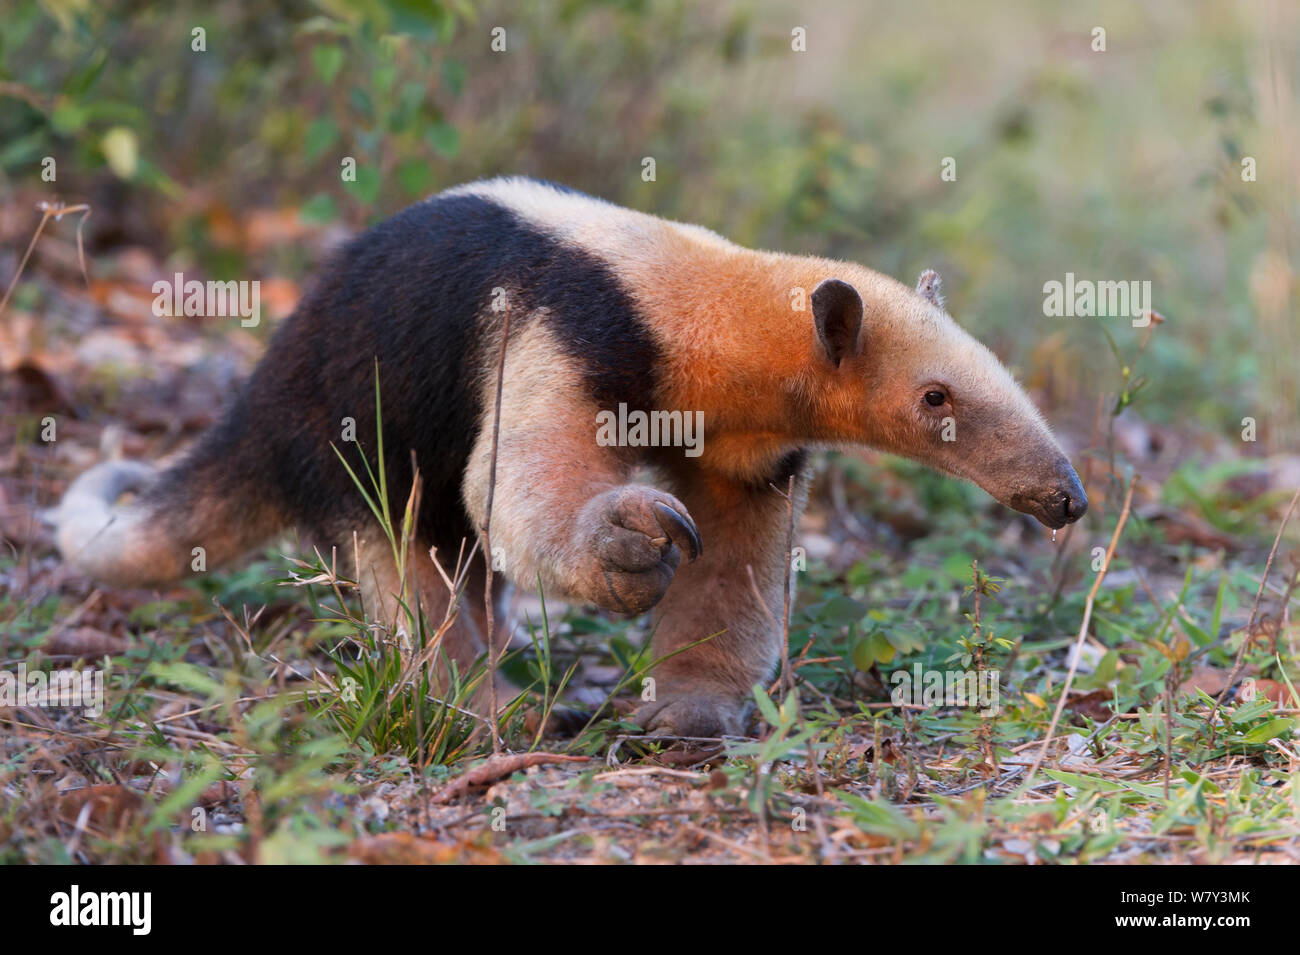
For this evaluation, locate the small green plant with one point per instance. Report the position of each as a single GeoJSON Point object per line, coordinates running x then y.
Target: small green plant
{"type": "Point", "coordinates": [372, 700]}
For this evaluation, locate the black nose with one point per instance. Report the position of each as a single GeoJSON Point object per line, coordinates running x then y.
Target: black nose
{"type": "Point", "coordinates": [1069, 502]}
{"type": "Point", "coordinates": [1074, 503]}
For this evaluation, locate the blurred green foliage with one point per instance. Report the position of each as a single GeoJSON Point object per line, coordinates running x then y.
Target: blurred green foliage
{"type": "Point", "coordinates": [1122, 164]}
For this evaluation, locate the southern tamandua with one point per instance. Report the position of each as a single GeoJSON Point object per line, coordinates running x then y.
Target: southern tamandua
{"type": "Point", "coordinates": [612, 312]}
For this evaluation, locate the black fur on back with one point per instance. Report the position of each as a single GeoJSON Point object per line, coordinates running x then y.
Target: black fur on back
{"type": "Point", "coordinates": [409, 293]}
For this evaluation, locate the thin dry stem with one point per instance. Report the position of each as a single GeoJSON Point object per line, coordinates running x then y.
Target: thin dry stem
{"type": "Point", "coordinates": [1083, 634]}
{"type": "Point", "coordinates": [487, 542]}
{"type": "Point", "coordinates": [1248, 637]}
{"type": "Point", "coordinates": [50, 211]}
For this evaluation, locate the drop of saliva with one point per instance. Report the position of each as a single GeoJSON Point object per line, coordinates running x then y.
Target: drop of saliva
{"type": "Point", "coordinates": [1053, 535]}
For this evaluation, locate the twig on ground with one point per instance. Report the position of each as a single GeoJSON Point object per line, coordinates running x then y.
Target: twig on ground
{"type": "Point", "coordinates": [496, 768]}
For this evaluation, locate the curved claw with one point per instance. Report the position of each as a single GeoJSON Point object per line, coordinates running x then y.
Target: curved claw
{"type": "Point", "coordinates": [679, 528]}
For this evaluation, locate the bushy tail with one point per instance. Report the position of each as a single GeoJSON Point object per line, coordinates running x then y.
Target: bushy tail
{"type": "Point", "coordinates": [182, 520]}
{"type": "Point", "coordinates": [92, 535]}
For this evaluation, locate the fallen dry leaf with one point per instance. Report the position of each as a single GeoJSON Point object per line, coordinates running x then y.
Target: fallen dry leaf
{"type": "Point", "coordinates": [1274, 690]}
{"type": "Point", "coordinates": [34, 388]}
{"type": "Point", "coordinates": [1209, 680]}
{"type": "Point", "coordinates": [405, 848]}
{"type": "Point", "coordinates": [1185, 528]}
{"type": "Point", "coordinates": [497, 768]}
{"type": "Point", "coordinates": [686, 757]}
{"type": "Point", "coordinates": [1092, 705]}
{"type": "Point", "coordinates": [88, 643]}
{"type": "Point", "coordinates": [111, 807]}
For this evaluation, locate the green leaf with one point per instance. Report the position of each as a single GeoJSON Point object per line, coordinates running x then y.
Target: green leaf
{"type": "Point", "coordinates": [68, 118]}
{"type": "Point", "coordinates": [328, 60]}
{"type": "Point", "coordinates": [187, 676]}
{"type": "Point", "coordinates": [321, 135]}
{"type": "Point", "coordinates": [320, 209]}
{"type": "Point", "coordinates": [766, 707]}
{"type": "Point", "coordinates": [1267, 731]}
{"type": "Point", "coordinates": [1248, 712]}
{"type": "Point", "coordinates": [78, 83]}
{"type": "Point", "coordinates": [883, 649]}
{"type": "Point", "coordinates": [1080, 782]}
{"type": "Point", "coordinates": [23, 149]}
{"type": "Point", "coordinates": [840, 611]}
{"type": "Point", "coordinates": [880, 818]}
{"type": "Point", "coordinates": [1195, 778]}
{"type": "Point", "coordinates": [443, 139]}
{"type": "Point", "coordinates": [384, 77]}
{"type": "Point", "coordinates": [418, 18]}
{"type": "Point", "coordinates": [361, 101]}
{"type": "Point", "coordinates": [1106, 785]}
{"type": "Point", "coordinates": [872, 648]}
{"type": "Point", "coordinates": [957, 567]}
{"type": "Point", "coordinates": [903, 641]}
{"type": "Point", "coordinates": [917, 578]}
{"type": "Point", "coordinates": [453, 76]}
{"type": "Point", "coordinates": [411, 97]}
{"type": "Point", "coordinates": [863, 658]}
{"type": "Point", "coordinates": [415, 177]}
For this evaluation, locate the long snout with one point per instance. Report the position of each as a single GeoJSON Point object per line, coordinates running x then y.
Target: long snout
{"type": "Point", "coordinates": [1071, 501]}
{"type": "Point", "coordinates": [1061, 500]}
{"type": "Point", "coordinates": [1052, 493]}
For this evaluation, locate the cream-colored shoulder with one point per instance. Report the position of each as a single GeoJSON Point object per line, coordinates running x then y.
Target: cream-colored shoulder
{"type": "Point", "coordinates": [610, 230]}
{"type": "Point", "coordinates": [539, 202]}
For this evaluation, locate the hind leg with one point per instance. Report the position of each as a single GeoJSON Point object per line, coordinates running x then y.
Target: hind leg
{"type": "Point", "coordinates": [394, 603]}
{"type": "Point", "coordinates": [465, 642]}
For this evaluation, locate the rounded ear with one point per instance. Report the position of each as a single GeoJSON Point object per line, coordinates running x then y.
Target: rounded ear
{"type": "Point", "coordinates": [930, 286]}
{"type": "Point", "coordinates": [837, 313]}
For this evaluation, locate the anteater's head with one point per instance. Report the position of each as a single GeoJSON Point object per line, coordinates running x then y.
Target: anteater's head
{"type": "Point", "coordinates": [931, 392]}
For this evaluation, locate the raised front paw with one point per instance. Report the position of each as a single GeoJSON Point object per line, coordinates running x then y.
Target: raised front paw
{"type": "Point", "coordinates": [634, 536]}
{"type": "Point", "coordinates": [697, 716]}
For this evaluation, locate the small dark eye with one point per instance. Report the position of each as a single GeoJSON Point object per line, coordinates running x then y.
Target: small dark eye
{"type": "Point", "coordinates": [935, 398]}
